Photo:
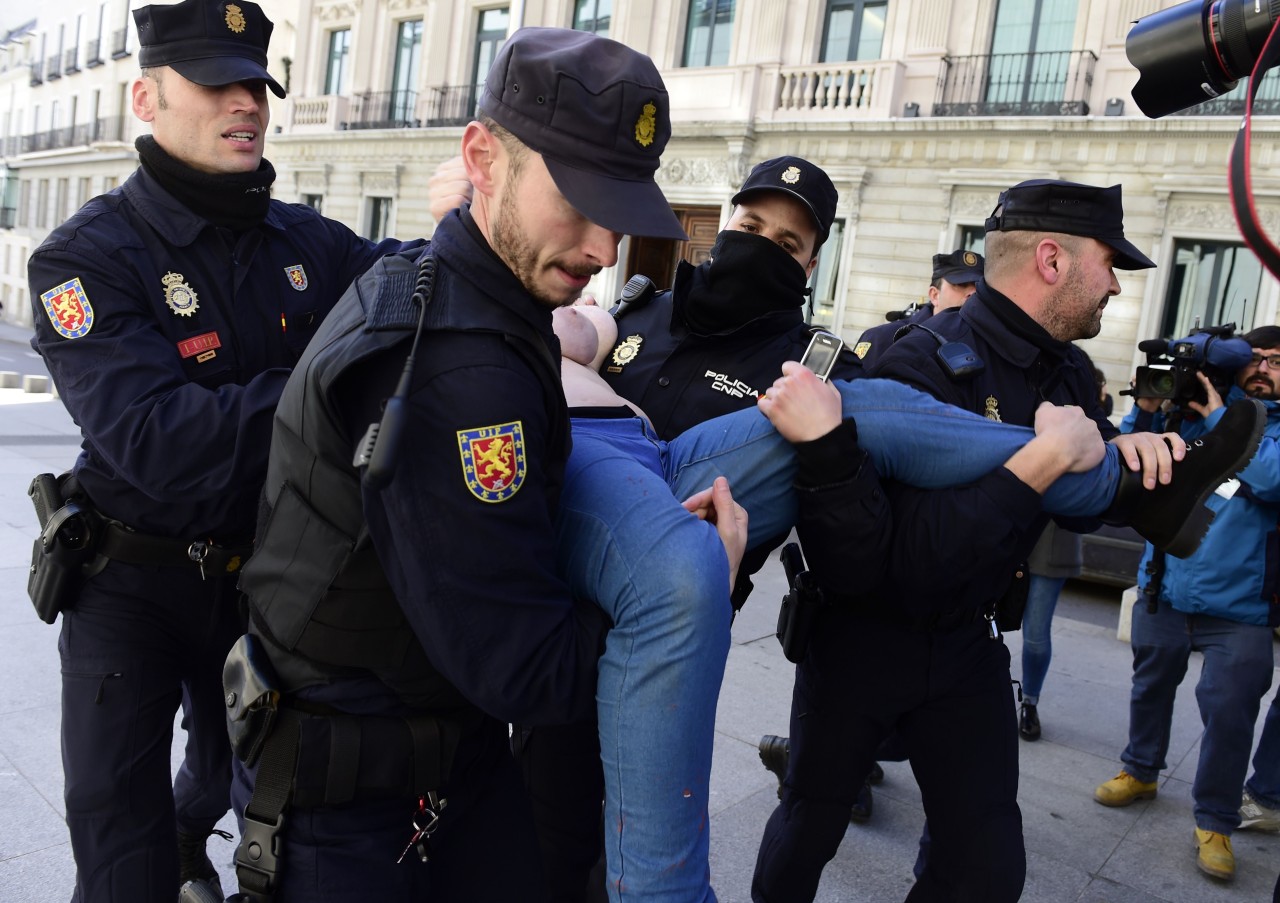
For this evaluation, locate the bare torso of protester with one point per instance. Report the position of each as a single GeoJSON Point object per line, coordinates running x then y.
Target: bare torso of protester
{"type": "Point", "coordinates": [586, 334]}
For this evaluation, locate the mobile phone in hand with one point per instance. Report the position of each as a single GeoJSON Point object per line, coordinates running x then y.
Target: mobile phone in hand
{"type": "Point", "coordinates": [820, 356]}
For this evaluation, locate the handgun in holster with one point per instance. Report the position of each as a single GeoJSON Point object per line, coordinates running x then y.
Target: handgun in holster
{"type": "Point", "coordinates": [251, 690]}
{"type": "Point", "coordinates": [799, 606]}
{"type": "Point", "coordinates": [65, 553]}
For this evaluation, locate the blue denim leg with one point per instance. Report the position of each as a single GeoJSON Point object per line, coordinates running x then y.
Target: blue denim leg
{"type": "Point", "coordinates": [1264, 786]}
{"type": "Point", "coordinates": [1161, 646]}
{"type": "Point", "coordinates": [1236, 675]}
{"type": "Point", "coordinates": [1037, 645]}
{"type": "Point", "coordinates": [911, 437]}
{"type": "Point", "coordinates": [662, 576]}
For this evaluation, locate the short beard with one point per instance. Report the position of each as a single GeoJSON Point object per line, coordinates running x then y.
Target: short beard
{"type": "Point", "coordinates": [1066, 329]}
{"type": "Point", "coordinates": [512, 244]}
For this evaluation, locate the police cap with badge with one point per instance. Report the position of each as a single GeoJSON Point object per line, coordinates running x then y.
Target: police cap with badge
{"type": "Point", "coordinates": [208, 42]}
{"type": "Point", "coordinates": [1051, 205]}
{"type": "Point", "coordinates": [960, 267]}
{"type": "Point", "coordinates": [598, 113]}
{"type": "Point", "coordinates": [801, 179]}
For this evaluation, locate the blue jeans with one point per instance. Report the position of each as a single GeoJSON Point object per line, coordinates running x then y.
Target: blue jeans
{"type": "Point", "coordinates": [1264, 786]}
{"type": "Point", "coordinates": [662, 576]}
{"type": "Point", "coordinates": [1235, 676]}
{"type": "Point", "coordinates": [1037, 646]}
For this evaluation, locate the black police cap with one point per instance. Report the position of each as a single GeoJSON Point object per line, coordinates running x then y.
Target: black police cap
{"type": "Point", "coordinates": [801, 179]}
{"type": "Point", "coordinates": [1051, 205]}
{"type": "Point", "coordinates": [598, 113]}
{"type": "Point", "coordinates": [208, 42]}
{"type": "Point", "coordinates": [959, 267]}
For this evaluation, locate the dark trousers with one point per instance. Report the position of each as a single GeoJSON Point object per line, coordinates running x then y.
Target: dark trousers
{"type": "Point", "coordinates": [560, 765]}
{"type": "Point", "coordinates": [948, 694]}
{"type": "Point", "coordinates": [482, 850]}
{"type": "Point", "coordinates": [139, 642]}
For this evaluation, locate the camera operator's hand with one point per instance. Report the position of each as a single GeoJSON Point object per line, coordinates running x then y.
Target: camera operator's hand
{"type": "Point", "coordinates": [1151, 454]}
{"type": "Point", "coordinates": [800, 406]}
{"type": "Point", "coordinates": [448, 187]}
{"type": "Point", "coordinates": [1213, 399]}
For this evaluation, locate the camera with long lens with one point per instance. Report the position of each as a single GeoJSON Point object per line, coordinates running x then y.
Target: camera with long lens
{"type": "Point", "coordinates": [1172, 365]}
{"type": "Point", "coordinates": [1196, 51]}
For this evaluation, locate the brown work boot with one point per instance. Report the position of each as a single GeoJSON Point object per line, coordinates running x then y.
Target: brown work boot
{"type": "Point", "coordinates": [1124, 789]}
{"type": "Point", "coordinates": [1213, 854]}
{"type": "Point", "coordinates": [1173, 517]}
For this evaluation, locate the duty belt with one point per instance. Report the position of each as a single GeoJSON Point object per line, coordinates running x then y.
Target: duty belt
{"type": "Point", "coordinates": [890, 614]}
{"type": "Point", "coordinates": [122, 543]}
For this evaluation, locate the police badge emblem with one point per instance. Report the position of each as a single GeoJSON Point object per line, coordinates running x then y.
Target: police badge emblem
{"type": "Point", "coordinates": [992, 409]}
{"type": "Point", "coordinates": [791, 175]}
{"type": "Point", "coordinates": [625, 352]}
{"type": "Point", "coordinates": [493, 460]}
{"type": "Point", "coordinates": [297, 277]}
{"type": "Point", "coordinates": [647, 124]}
{"type": "Point", "coordinates": [235, 18]}
{"type": "Point", "coordinates": [180, 297]}
{"type": "Point", "coordinates": [861, 349]}
{"type": "Point", "coordinates": [69, 309]}
{"type": "Point", "coordinates": [970, 259]}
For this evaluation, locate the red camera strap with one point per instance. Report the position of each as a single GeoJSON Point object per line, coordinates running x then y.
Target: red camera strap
{"type": "Point", "coordinates": [1239, 174]}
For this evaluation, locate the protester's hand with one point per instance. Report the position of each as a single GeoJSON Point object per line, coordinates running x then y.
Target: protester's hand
{"type": "Point", "coordinates": [1151, 454]}
{"type": "Point", "coordinates": [1072, 433]}
{"type": "Point", "coordinates": [448, 187]}
{"type": "Point", "coordinates": [716, 506]}
{"type": "Point", "coordinates": [799, 405]}
{"type": "Point", "coordinates": [1214, 400]}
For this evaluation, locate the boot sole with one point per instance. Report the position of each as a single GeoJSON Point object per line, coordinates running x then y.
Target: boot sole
{"type": "Point", "coordinates": [1212, 872]}
{"type": "Point", "coordinates": [1194, 528]}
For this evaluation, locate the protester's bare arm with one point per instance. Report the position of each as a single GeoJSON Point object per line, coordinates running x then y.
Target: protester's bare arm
{"type": "Point", "coordinates": [799, 405]}
{"type": "Point", "coordinates": [1066, 441]}
{"type": "Point", "coordinates": [448, 187]}
{"type": "Point", "coordinates": [716, 506]}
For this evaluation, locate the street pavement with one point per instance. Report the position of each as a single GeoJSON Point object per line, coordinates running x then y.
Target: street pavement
{"type": "Point", "coordinates": [1076, 849]}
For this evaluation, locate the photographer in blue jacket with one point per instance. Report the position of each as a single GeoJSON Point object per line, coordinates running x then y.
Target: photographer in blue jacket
{"type": "Point", "coordinates": [1221, 601]}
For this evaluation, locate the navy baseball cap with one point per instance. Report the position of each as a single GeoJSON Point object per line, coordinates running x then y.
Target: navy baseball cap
{"type": "Point", "coordinates": [1050, 205]}
{"type": "Point", "coordinates": [801, 179]}
{"type": "Point", "coordinates": [598, 113]}
{"type": "Point", "coordinates": [208, 42]}
{"type": "Point", "coordinates": [959, 267]}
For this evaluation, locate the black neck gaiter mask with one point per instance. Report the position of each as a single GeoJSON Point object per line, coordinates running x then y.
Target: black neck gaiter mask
{"type": "Point", "coordinates": [236, 201]}
{"type": "Point", "coordinates": [747, 277]}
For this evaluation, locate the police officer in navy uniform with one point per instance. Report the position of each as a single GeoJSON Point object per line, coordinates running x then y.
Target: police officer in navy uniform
{"type": "Point", "coordinates": [955, 278]}
{"type": "Point", "coordinates": [925, 637]}
{"type": "Point", "coordinates": [426, 608]}
{"type": "Point", "coordinates": [713, 342]}
{"type": "Point", "coordinates": [169, 312]}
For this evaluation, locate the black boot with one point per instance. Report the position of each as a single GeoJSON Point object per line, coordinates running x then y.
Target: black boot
{"type": "Point", "coordinates": [773, 753]}
{"type": "Point", "coordinates": [863, 805]}
{"type": "Point", "coordinates": [1173, 517]}
{"type": "Point", "coordinates": [1028, 722]}
{"type": "Point", "coordinates": [194, 864]}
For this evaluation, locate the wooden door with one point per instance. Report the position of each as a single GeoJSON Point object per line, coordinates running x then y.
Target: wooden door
{"type": "Point", "coordinates": [657, 257]}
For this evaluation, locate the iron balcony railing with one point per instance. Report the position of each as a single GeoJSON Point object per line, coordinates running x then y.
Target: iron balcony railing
{"type": "Point", "coordinates": [451, 105]}
{"type": "Point", "coordinates": [1056, 83]}
{"type": "Point", "coordinates": [109, 128]}
{"type": "Point", "coordinates": [1267, 103]}
{"type": "Point", "coordinates": [53, 68]}
{"type": "Point", "coordinates": [119, 43]}
{"type": "Point", "coordinates": [71, 60]}
{"type": "Point", "coordinates": [383, 110]}
{"type": "Point", "coordinates": [8, 216]}
{"type": "Point", "coordinates": [93, 53]}
{"type": "Point", "coordinates": [37, 73]}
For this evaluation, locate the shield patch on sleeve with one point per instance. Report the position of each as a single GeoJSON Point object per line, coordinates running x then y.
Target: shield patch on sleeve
{"type": "Point", "coordinates": [493, 460]}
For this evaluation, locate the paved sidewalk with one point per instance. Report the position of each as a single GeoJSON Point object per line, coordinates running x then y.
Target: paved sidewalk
{"type": "Point", "coordinates": [1076, 849]}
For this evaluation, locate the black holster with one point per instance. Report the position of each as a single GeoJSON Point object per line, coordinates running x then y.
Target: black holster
{"type": "Point", "coordinates": [66, 552]}
{"type": "Point", "coordinates": [800, 605]}
{"type": "Point", "coordinates": [1011, 606]}
{"type": "Point", "coordinates": [252, 694]}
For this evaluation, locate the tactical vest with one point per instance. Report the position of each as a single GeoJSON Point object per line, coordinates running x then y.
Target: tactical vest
{"type": "Point", "coordinates": [318, 596]}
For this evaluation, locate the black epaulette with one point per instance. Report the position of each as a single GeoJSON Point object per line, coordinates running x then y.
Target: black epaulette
{"type": "Point", "coordinates": [638, 292]}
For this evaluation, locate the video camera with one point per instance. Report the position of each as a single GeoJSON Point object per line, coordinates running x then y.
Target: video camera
{"type": "Point", "coordinates": [1172, 365]}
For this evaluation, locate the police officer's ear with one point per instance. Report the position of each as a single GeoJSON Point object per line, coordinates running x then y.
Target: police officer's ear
{"type": "Point", "coordinates": [1050, 258]}
{"type": "Point", "coordinates": [481, 152]}
{"type": "Point", "coordinates": [813, 265]}
{"type": "Point", "coordinates": [145, 97]}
